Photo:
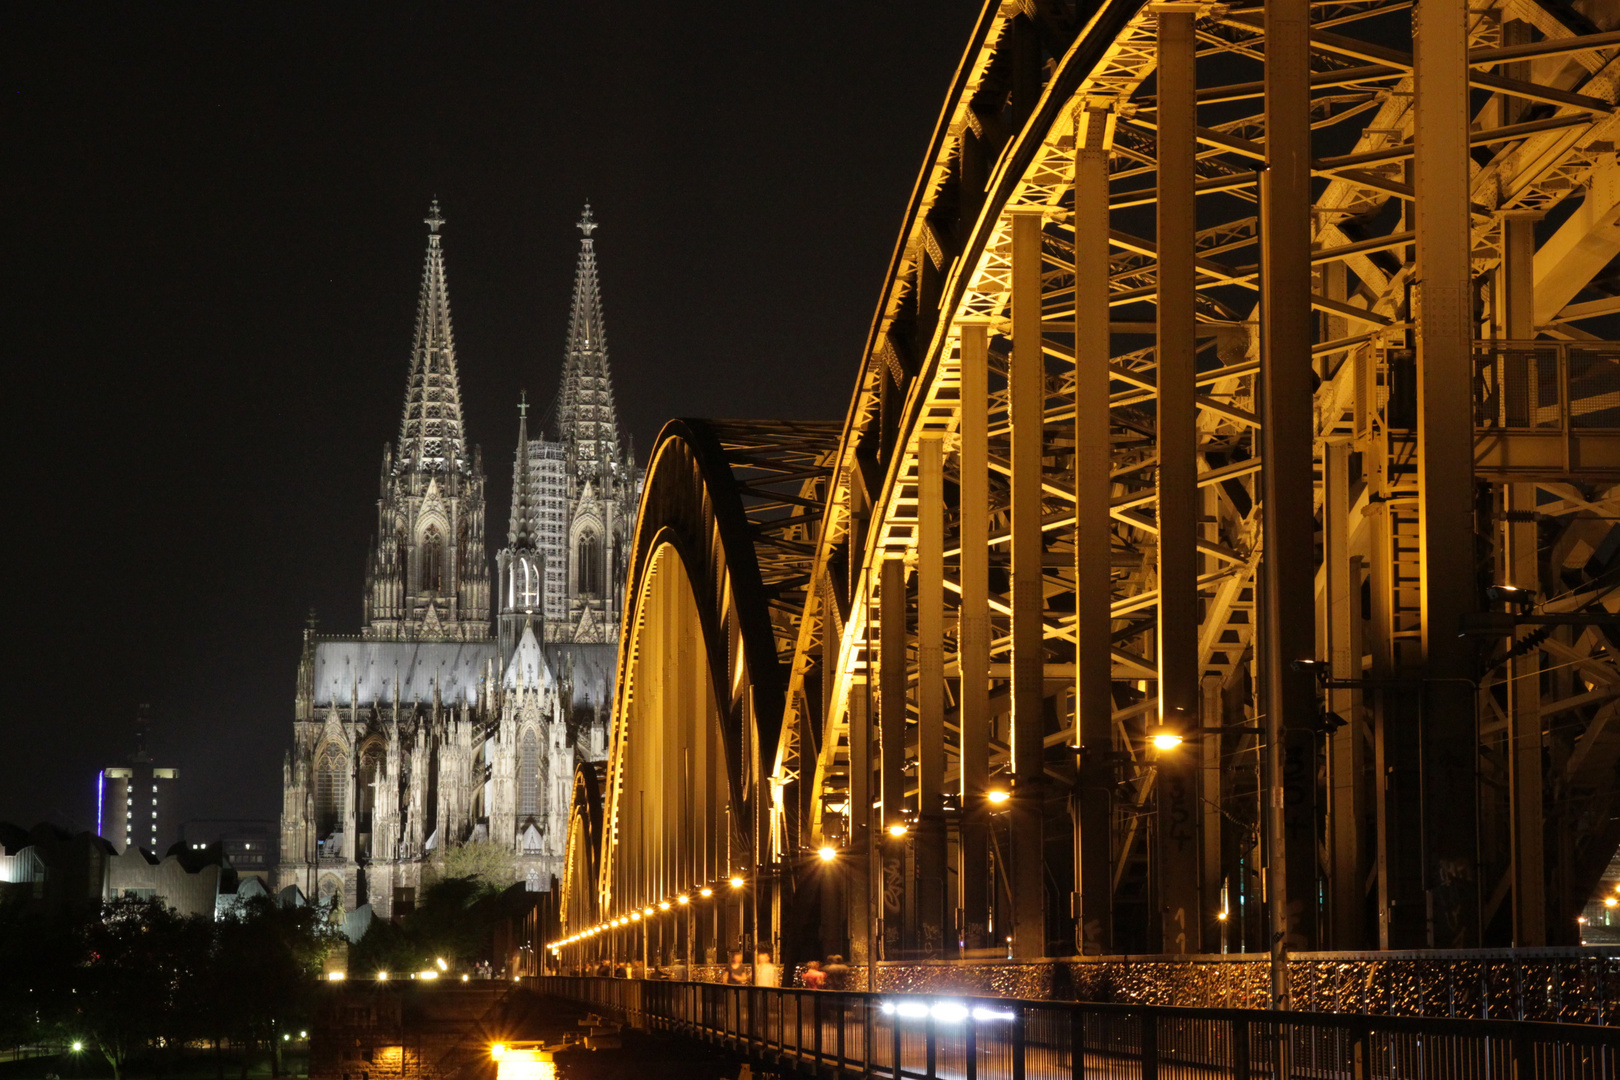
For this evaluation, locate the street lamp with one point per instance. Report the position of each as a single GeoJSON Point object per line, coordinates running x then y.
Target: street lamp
{"type": "Point", "coordinates": [705, 891]}
{"type": "Point", "coordinates": [736, 882]}
{"type": "Point", "coordinates": [998, 796]}
{"type": "Point", "coordinates": [898, 829]}
{"type": "Point", "coordinates": [827, 853]}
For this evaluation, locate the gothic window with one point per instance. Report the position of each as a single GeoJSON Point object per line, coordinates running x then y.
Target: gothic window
{"type": "Point", "coordinates": [366, 794]}
{"type": "Point", "coordinates": [528, 583]}
{"type": "Point", "coordinates": [589, 561]}
{"type": "Point", "coordinates": [432, 561]}
{"type": "Point", "coordinates": [331, 785]}
{"type": "Point", "coordinates": [529, 776]}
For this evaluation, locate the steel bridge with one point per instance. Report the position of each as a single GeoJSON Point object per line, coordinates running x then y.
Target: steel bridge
{"type": "Point", "coordinates": [1219, 553]}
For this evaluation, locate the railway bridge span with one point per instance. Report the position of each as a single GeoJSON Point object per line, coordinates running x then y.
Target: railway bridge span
{"type": "Point", "coordinates": [1219, 553]}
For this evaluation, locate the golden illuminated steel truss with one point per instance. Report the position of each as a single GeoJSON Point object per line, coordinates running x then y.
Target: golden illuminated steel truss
{"type": "Point", "coordinates": [1243, 382]}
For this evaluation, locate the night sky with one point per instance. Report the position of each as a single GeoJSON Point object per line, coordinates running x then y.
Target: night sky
{"type": "Point", "coordinates": [214, 244]}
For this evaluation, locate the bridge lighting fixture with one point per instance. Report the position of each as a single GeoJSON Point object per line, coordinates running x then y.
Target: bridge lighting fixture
{"type": "Point", "coordinates": [705, 891]}
{"type": "Point", "coordinates": [635, 916]}
{"type": "Point", "coordinates": [1609, 901]}
{"type": "Point", "coordinates": [736, 882]}
{"type": "Point", "coordinates": [647, 911]}
{"type": "Point", "coordinates": [827, 854]}
{"type": "Point", "coordinates": [897, 829]}
{"type": "Point", "coordinates": [1164, 738]}
{"type": "Point", "coordinates": [497, 1051]}
{"type": "Point", "coordinates": [683, 899]}
{"type": "Point", "coordinates": [1221, 915]}
{"type": "Point", "coordinates": [998, 796]}
{"type": "Point", "coordinates": [663, 905]}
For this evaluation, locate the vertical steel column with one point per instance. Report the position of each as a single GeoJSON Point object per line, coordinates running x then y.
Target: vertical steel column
{"type": "Point", "coordinates": [973, 635]}
{"type": "Point", "coordinates": [1522, 569]}
{"type": "Point", "coordinates": [1176, 866]}
{"type": "Point", "coordinates": [1093, 534]}
{"type": "Point", "coordinates": [1347, 750]}
{"type": "Point", "coordinates": [1026, 394]}
{"type": "Point", "coordinates": [1445, 467]}
{"type": "Point", "coordinates": [892, 684]}
{"type": "Point", "coordinates": [1287, 431]}
{"type": "Point", "coordinates": [858, 883]}
{"type": "Point", "coordinates": [931, 921]}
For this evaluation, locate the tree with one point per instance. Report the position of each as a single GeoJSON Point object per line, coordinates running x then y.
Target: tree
{"type": "Point", "coordinates": [137, 982]}
{"type": "Point", "coordinates": [263, 969]}
{"type": "Point", "coordinates": [492, 865]}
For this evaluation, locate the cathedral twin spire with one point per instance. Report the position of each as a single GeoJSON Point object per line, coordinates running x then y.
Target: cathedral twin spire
{"type": "Point", "coordinates": [585, 414]}
{"type": "Point", "coordinates": [431, 436]}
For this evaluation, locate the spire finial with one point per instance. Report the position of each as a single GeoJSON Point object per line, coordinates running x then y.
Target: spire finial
{"type": "Point", "coordinates": [586, 225]}
{"type": "Point", "coordinates": [434, 218]}
{"type": "Point", "coordinates": [523, 404]}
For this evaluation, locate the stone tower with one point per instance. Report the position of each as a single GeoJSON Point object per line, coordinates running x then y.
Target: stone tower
{"type": "Point", "coordinates": [428, 576]}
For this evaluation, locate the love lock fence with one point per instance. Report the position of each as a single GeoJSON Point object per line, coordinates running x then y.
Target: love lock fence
{"type": "Point", "coordinates": [926, 1037]}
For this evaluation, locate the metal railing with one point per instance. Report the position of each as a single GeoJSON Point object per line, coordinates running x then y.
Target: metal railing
{"type": "Point", "coordinates": [925, 1037]}
{"type": "Point", "coordinates": [1546, 387]}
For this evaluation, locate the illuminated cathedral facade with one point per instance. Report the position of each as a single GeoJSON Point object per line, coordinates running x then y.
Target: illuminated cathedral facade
{"type": "Point", "coordinates": [457, 713]}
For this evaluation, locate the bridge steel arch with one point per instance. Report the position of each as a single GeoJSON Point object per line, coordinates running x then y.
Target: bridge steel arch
{"type": "Point", "coordinates": [1219, 550]}
{"type": "Point", "coordinates": [715, 583]}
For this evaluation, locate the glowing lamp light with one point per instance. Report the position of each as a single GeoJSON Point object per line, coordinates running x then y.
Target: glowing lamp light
{"type": "Point", "coordinates": [736, 883]}
{"type": "Point", "coordinates": [705, 891]}
{"type": "Point", "coordinates": [1221, 915]}
{"type": "Point", "coordinates": [336, 976]}
{"type": "Point", "coordinates": [77, 1046]}
{"type": "Point", "coordinates": [635, 916]}
{"type": "Point", "coordinates": [286, 1038]}
{"type": "Point", "coordinates": [382, 976]}
{"type": "Point", "coordinates": [303, 1034]}
{"type": "Point", "coordinates": [663, 905]}
{"type": "Point", "coordinates": [1164, 738]}
{"type": "Point", "coordinates": [897, 829]}
{"type": "Point", "coordinates": [428, 973]}
{"type": "Point", "coordinates": [497, 1051]}
{"type": "Point", "coordinates": [1609, 901]}
{"type": "Point", "coordinates": [828, 854]}
{"type": "Point", "coordinates": [998, 796]}
{"type": "Point", "coordinates": [683, 899]}
{"type": "Point", "coordinates": [442, 965]}
{"type": "Point", "coordinates": [646, 911]}
{"type": "Point", "coordinates": [464, 978]}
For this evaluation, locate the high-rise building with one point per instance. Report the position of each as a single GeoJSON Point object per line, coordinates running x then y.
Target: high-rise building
{"type": "Point", "coordinates": [425, 731]}
{"type": "Point", "coordinates": [135, 800]}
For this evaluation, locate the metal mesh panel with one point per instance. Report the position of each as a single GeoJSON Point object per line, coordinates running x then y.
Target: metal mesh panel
{"type": "Point", "coordinates": [1516, 388]}
{"type": "Point", "coordinates": [1594, 387]}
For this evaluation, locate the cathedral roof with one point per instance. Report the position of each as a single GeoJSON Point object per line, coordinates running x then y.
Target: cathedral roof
{"type": "Point", "coordinates": [430, 432]}
{"type": "Point", "coordinates": [585, 413]}
{"type": "Point", "coordinates": [528, 668]}
{"type": "Point", "coordinates": [367, 672]}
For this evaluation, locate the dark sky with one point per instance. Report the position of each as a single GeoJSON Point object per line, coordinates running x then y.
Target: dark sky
{"type": "Point", "coordinates": [213, 246]}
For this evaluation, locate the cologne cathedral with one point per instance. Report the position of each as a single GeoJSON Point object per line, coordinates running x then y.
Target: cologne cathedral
{"type": "Point", "coordinates": [434, 726]}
